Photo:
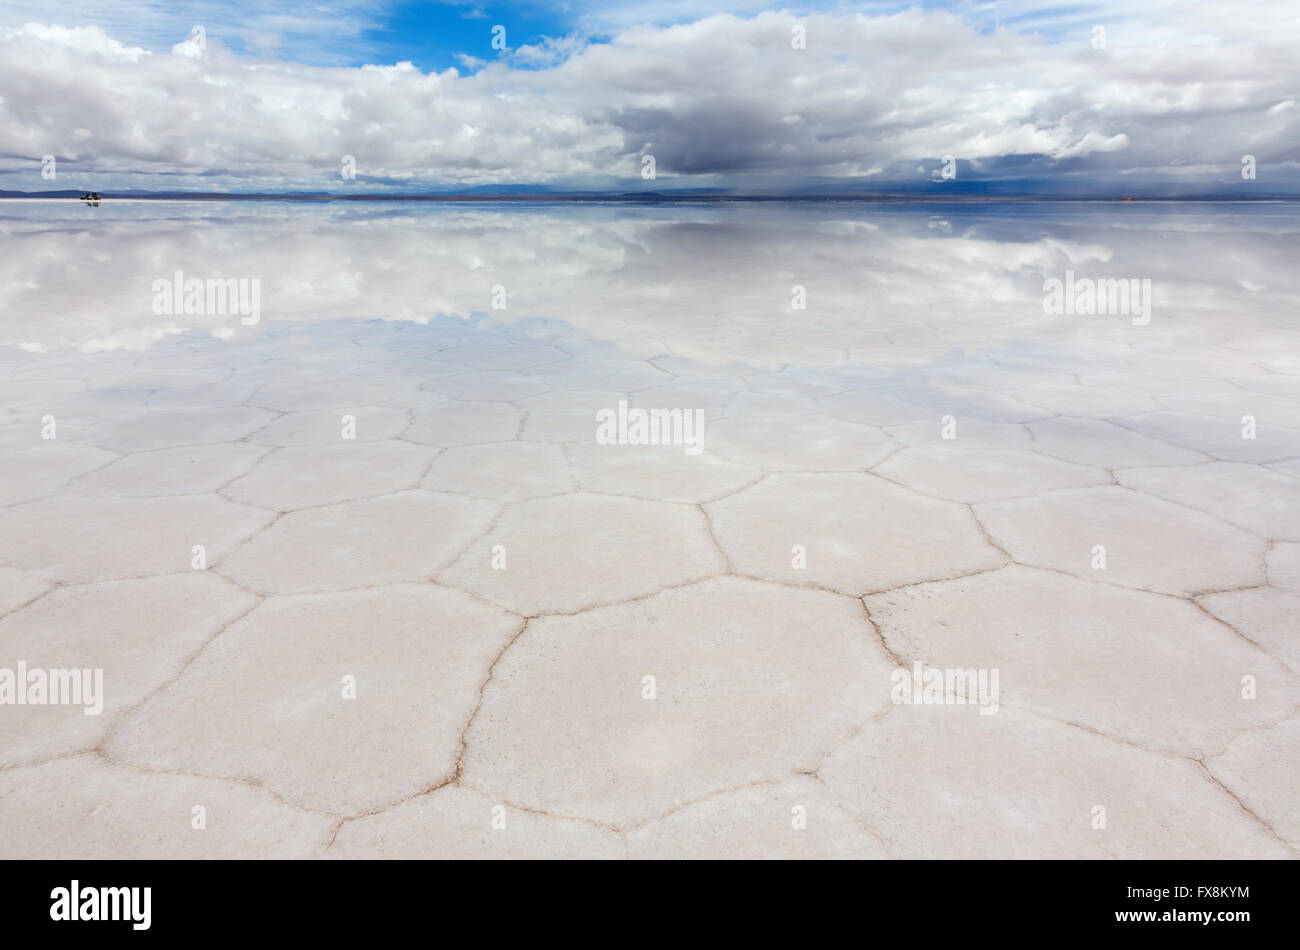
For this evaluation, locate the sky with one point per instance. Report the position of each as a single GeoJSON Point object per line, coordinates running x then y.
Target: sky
{"type": "Point", "coordinates": [1162, 97]}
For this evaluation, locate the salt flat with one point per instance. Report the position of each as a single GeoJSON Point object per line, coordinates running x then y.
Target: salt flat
{"type": "Point", "coordinates": [365, 579]}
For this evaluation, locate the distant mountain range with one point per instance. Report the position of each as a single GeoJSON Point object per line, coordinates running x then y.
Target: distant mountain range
{"type": "Point", "coordinates": [532, 193]}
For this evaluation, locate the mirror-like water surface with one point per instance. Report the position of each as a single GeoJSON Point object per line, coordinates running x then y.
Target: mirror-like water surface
{"type": "Point", "coordinates": [654, 523]}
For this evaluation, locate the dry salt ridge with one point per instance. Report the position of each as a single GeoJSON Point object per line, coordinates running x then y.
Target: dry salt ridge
{"type": "Point", "coordinates": [363, 581]}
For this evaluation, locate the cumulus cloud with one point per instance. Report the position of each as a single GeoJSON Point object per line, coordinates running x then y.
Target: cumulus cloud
{"type": "Point", "coordinates": [718, 100]}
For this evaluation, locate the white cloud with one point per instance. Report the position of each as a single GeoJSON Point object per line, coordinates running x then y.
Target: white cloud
{"type": "Point", "coordinates": [711, 99]}
{"type": "Point", "coordinates": [88, 41]}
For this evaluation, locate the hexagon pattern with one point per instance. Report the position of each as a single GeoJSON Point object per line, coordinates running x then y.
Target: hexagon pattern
{"type": "Point", "coordinates": [362, 587]}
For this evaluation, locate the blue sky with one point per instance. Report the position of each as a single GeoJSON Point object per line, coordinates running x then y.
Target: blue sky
{"type": "Point", "coordinates": [1002, 96]}
{"type": "Point", "coordinates": [435, 36]}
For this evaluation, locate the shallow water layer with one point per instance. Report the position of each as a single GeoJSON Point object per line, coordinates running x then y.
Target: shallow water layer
{"type": "Point", "coordinates": [604, 530]}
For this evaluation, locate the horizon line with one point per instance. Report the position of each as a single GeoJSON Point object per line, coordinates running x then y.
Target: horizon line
{"type": "Point", "coordinates": [645, 197]}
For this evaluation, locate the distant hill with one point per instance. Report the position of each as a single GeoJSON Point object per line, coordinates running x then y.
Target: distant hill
{"type": "Point", "coordinates": [41, 194]}
{"type": "Point", "coordinates": [539, 194]}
